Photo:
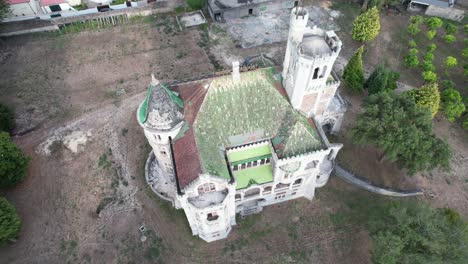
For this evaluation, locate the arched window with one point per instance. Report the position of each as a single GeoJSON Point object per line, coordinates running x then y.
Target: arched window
{"type": "Point", "coordinates": [267, 190]}
{"type": "Point", "coordinates": [252, 192]}
{"type": "Point", "coordinates": [297, 182]}
{"type": "Point", "coordinates": [206, 188]}
{"type": "Point", "coordinates": [315, 73]}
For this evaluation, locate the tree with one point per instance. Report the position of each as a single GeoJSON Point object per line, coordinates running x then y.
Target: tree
{"type": "Point", "coordinates": [450, 62]}
{"type": "Point", "coordinates": [381, 80]}
{"type": "Point", "coordinates": [412, 44]}
{"type": "Point", "coordinates": [413, 29]}
{"type": "Point", "coordinates": [433, 23]}
{"type": "Point", "coordinates": [452, 104]}
{"type": "Point", "coordinates": [195, 4]}
{"type": "Point", "coordinates": [411, 59]}
{"type": "Point", "coordinates": [353, 74]}
{"type": "Point", "coordinates": [429, 76]}
{"type": "Point", "coordinates": [430, 34]}
{"type": "Point", "coordinates": [10, 222]}
{"type": "Point", "coordinates": [367, 25]}
{"type": "Point", "coordinates": [4, 9]}
{"type": "Point", "coordinates": [431, 47]}
{"type": "Point", "coordinates": [428, 56]}
{"type": "Point", "coordinates": [13, 163]}
{"type": "Point", "coordinates": [427, 66]}
{"type": "Point", "coordinates": [6, 119]}
{"type": "Point", "coordinates": [449, 39]}
{"type": "Point", "coordinates": [414, 232]}
{"type": "Point", "coordinates": [427, 97]}
{"type": "Point", "coordinates": [450, 29]}
{"type": "Point", "coordinates": [403, 131]}
{"type": "Point", "coordinates": [416, 20]}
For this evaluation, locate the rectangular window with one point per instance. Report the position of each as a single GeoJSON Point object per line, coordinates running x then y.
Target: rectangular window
{"type": "Point", "coordinates": [55, 8]}
{"type": "Point", "coordinates": [262, 162]}
{"type": "Point", "coordinates": [250, 11]}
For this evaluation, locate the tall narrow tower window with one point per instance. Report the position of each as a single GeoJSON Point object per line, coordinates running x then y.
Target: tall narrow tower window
{"type": "Point", "coordinates": [315, 73]}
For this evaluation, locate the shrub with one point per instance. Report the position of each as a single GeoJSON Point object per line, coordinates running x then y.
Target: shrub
{"type": "Point", "coordinates": [431, 47]}
{"type": "Point", "coordinates": [450, 29]}
{"type": "Point", "coordinates": [427, 66]}
{"type": "Point", "coordinates": [353, 74]}
{"type": "Point", "coordinates": [465, 70]}
{"type": "Point", "coordinates": [412, 44]}
{"type": "Point", "coordinates": [367, 25]}
{"type": "Point", "coordinates": [465, 28]}
{"type": "Point", "coordinates": [416, 20]}
{"type": "Point", "coordinates": [428, 56]}
{"type": "Point", "coordinates": [451, 104]}
{"type": "Point", "coordinates": [450, 62]}
{"type": "Point", "coordinates": [465, 123]}
{"type": "Point", "coordinates": [430, 34]}
{"type": "Point", "coordinates": [413, 51]}
{"type": "Point", "coordinates": [382, 79]}
{"type": "Point", "coordinates": [429, 76]}
{"type": "Point", "coordinates": [413, 29]}
{"type": "Point", "coordinates": [447, 84]}
{"type": "Point", "coordinates": [195, 4]}
{"type": "Point", "coordinates": [465, 53]}
{"type": "Point", "coordinates": [10, 222]}
{"type": "Point", "coordinates": [411, 60]}
{"type": "Point", "coordinates": [449, 39]}
{"type": "Point", "coordinates": [427, 96]}
{"type": "Point", "coordinates": [6, 119]}
{"type": "Point", "coordinates": [13, 164]}
{"type": "Point", "coordinates": [433, 23]}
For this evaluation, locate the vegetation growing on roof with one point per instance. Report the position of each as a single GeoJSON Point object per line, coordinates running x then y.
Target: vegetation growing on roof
{"type": "Point", "coordinates": [234, 108]}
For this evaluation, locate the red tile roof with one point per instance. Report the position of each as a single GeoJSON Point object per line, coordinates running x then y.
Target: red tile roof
{"type": "Point", "coordinates": [51, 2]}
{"type": "Point", "coordinates": [13, 2]}
{"type": "Point", "coordinates": [187, 161]}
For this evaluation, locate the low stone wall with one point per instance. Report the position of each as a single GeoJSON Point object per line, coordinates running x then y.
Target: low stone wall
{"type": "Point", "coordinates": [449, 13]}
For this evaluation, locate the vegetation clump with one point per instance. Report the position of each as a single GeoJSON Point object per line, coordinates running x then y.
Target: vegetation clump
{"type": "Point", "coordinates": [403, 131]}
{"type": "Point", "coordinates": [452, 104]}
{"type": "Point", "coordinates": [353, 74]}
{"type": "Point", "coordinates": [13, 163]}
{"type": "Point", "coordinates": [10, 222]}
{"type": "Point", "coordinates": [427, 96]}
{"type": "Point", "coordinates": [381, 79]}
{"type": "Point", "coordinates": [6, 119]}
{"type": "Point", "coordinates": [411, 59]}
{"type": "Point", "coordinates": [367, 25]}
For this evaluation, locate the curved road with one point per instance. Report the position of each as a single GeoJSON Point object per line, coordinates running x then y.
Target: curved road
{"type": "Point", "coordinates": [350, 178]}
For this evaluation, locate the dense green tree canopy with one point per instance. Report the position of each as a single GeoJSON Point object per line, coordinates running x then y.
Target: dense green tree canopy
{"type": "Point", "coordinates": [381, 79]}
{"type": "Point", "coordinates": [403, 131]}
{"type": "Point", "coordinates": [427, 96]}
{"type": "Point", "coordinates": [452, 104]}
{"type": "Point", "coordinates": [6, 119]}
{"type": "Point", "coordinates": [367, 25]}
{"type": "Point", "coordinates": [10, 222]}
{"type": "Point", "coordinates": [415, 233]}
{"type": "Point", "coordinates": [433, 22]}
{"type": "Point", "coordinates": [353, 74]}
{"type": "Point", "coordinates": [13, 163]}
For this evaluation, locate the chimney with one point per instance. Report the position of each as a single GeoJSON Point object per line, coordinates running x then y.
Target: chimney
{"type": "Point", "coordinates": [235, 71]}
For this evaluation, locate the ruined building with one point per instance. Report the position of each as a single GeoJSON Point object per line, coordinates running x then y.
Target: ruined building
{"type": "Point", "coordinates": [220, 10]}
{"type": "Point", "coordinates": [237, 143]}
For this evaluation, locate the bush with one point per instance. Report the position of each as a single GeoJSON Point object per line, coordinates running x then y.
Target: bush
{"type": "Point", "coordinates": [416, 20]}
{"type": "Point", "coordinates": [10, 222]}
{"type": "Point", "coordinates": [412, 44]}
{"type": "Point", "coordinates": [6, 119]}
{"type": "Point", "coordinates": [353, 74]}
{"type": "Point", "coordinates": [411, 60]}
{"type": "Point", "coordinates": [427, 97]}
{"type": "Point", "coordinates": [450, 29]}
{"type": "Point", "coordinates": [451, 104]}
{"type": "Point", "coordinates": [465, 28]}
{"type": "Point", "coordinates": [465, 53]}
{"type": "Point", "coordinates": [429, 76]}
{"type": "Point", "coordinates": [430, 34]}
{"type": "Point", "coordinates": [431, 47]}
{"type": "Point", "coordinates": [13, 164]}
{"type": "Point", "coordinates": [367, 25]}
{"type": "Point", "coordinates": [428, 57]}
{"type": "Point", "coordinates": [449, 39]}
{"type": "Point", "coordinates": [433, 23]}
{"type": "Point", "coordinates": [195, 4]}
{"type": "Point", "coordinates": [465, 123]}
{"type": "Point", "coordinates": [413, 29]}
{"type": "Point", "coordinates": [450, 62]}
{"type": "Point", "coordinates": [427, 66]}
{"type": "Point", "coordinates": [447, 84]}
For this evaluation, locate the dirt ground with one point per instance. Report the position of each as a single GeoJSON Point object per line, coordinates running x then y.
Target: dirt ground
{"type": "Point", "coordinates": [85, 198]}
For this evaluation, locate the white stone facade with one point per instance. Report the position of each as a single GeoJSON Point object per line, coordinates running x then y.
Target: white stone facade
{"type": "Point", "coordinates": [210, 202]}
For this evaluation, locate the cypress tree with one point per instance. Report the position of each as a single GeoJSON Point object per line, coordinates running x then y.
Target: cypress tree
{"type": "Point", "coordinates": [353, 74]}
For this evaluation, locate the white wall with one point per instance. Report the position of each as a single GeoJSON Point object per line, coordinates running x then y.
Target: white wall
{"type": "Point", "coordinates": [23, 9]}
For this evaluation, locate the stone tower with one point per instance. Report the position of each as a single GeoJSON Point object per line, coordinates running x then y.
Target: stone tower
{"type": "Point", "coordinates": [308, 63]}
{"type": "Point", "coordinates": [161, 116]}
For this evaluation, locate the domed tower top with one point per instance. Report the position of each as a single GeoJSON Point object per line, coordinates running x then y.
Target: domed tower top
{"type": "Point", "coordinates": [162, 109]}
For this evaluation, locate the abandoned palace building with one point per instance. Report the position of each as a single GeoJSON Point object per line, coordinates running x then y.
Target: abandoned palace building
{"type": "Point", "coordinates": [237, 143]}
